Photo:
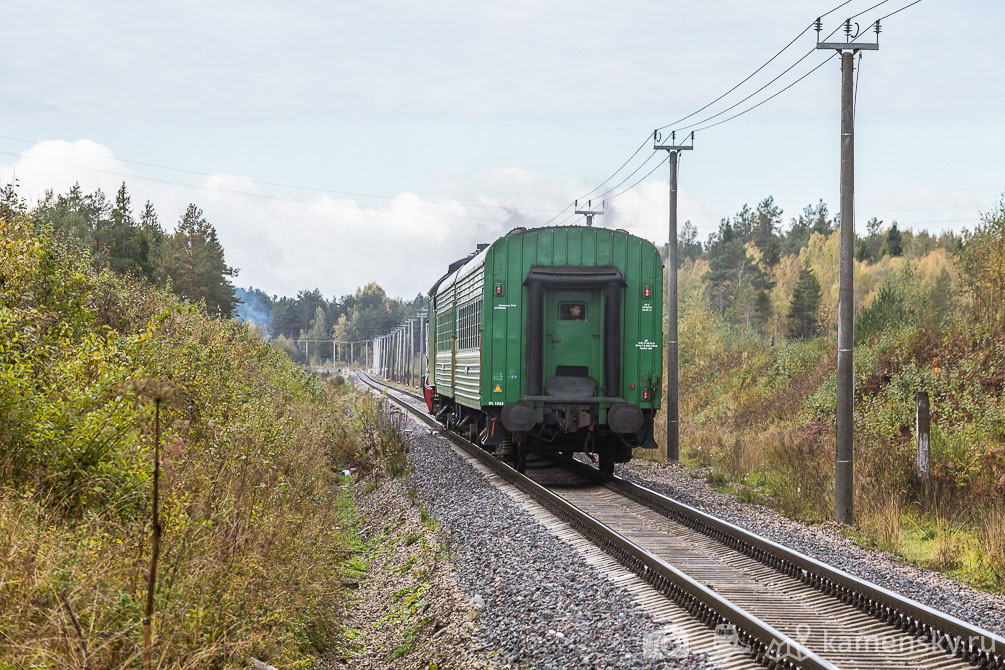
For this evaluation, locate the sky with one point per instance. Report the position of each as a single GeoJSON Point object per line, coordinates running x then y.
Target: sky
{"type": "Point", "coordinates": [334, 144]}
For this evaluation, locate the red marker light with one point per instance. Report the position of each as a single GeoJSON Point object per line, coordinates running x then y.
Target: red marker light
{"type": "Point", "coordinates": [645, 395]}
{"type": "Point", "coordinates": [631, 386]}
{"type": "Point", "coordinates": [647, 292]}
{"type": "Point", "coordinates": [499, 289]}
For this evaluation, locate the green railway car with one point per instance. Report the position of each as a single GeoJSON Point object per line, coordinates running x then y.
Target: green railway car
{"type": "Point", "coordinates": [549, 340]}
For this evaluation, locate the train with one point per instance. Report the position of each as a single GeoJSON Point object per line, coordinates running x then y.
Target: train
{"type": "Point", "coordinates": [548, 341]}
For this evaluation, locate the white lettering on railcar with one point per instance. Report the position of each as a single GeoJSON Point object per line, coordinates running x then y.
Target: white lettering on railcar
{"type": "Point", "coordinates": [647, 307]}
{"type": "Point", "coordinates": [647, 345]}
{"type": "Point", "coordinates": [505, 306]}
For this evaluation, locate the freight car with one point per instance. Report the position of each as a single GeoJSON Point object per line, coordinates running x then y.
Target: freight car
{"type": "Point", "coordinates": [548, 341]}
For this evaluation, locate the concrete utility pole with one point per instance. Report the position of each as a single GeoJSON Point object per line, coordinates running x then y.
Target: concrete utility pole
{"type": "Point", "coordinates": [411, 352]}
{"type": "Point", "coordinates": [422, 348]}
{"type": "Point", "coordinates": [589, 212]}
{"type": "Point", "coordinates": [844, 466]}
{"type": "Point", "coordinates": [673, 414]}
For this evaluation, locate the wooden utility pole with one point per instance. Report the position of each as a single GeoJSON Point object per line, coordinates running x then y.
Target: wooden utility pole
{"type": "Point", "coordinates": [589, 212]}
{"type": "Point", "coordinates": [923, 425]}
{"type": "Point", "coordinates": [673, 417]}
{"type": "Point", "coordinates": [844, 465]}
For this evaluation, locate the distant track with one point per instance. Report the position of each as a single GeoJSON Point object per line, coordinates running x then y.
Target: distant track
{"type": "Point", "coordinates": [787, 609]}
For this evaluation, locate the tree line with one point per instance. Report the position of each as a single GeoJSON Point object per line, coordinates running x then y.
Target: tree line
{"type": "Point", "coordinates": [190, 259]}
{"type": "Point", "coordinates": [749, 253]}
{"type": "Point", "coordinates": [309, 316]}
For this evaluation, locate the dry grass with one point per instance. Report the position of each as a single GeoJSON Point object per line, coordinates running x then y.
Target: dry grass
{"type": "Point", "coordinates": [881, 520]}
{"type": "Point", "coordinates": [992, 533]}
{"type": "Point", "coordinates": [250, 567]}
{"type": "Point", "coordinates": [947, 549]}
{"type": "Point", "coordinates": [252, 507]}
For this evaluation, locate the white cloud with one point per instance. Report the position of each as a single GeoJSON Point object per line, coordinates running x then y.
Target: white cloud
{"type": "Point", "coordinates": [58, 165]}
{"type": "Point", "coordinates": [284, 243]}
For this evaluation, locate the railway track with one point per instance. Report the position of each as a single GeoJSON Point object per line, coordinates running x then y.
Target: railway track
{"type": "Point", "coordinates": [784, 609]}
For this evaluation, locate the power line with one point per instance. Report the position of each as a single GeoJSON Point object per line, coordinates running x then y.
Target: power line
{"type": "Point", "coordinates": [200, 187]}
{"type": "Point", "coordinates": [634, 154]}
{"type": "Point", "coordinates": [633, 173]}
{"type": "Point", "coordinates": [734, 106]}
{"type": "Point", "coordinates": [749, 109]}
{"type": "Point", "coordinates": [779, 76]}
{"type": "Point", "coordinates": [601, 185]}
{"type": "Point", "coordinates": [699, 110]}
{"type": "Point", "coordinates": [665, 159]}
{"type": "Point", "coordinates": [773, 96]}
{"type": "Point", "coordinates": [752, 74]}
{"type": "Point", "coordinates": [899, 10]}
{"type": "Point", "coordinates": [262, 182]}
{"type": "Point", "coordinates": [855, 16]}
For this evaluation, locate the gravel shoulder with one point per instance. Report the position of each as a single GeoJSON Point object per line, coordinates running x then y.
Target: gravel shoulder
{"type": "Point", "coordinates": [825, 544]}
{"type": "Point", "coordinates": [408, 610]}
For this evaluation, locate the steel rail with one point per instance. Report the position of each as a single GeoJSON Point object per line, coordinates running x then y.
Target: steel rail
{"type": "Point", "coordinates": [765, 644]}
{"type": "Point", "coordinates": [956, 637]}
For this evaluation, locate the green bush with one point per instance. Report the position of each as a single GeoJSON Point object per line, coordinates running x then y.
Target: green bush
{"type": "Point", "coordinates": [253, 515]}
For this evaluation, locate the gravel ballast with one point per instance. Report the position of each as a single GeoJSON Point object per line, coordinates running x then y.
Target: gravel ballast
{"type": "Point", "coordinates": [540, 604]}
{"type": "Point", "coordinates": [825, 544]}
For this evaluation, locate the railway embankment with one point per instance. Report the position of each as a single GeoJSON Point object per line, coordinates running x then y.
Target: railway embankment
{"type": "Point", "coordinates": [538, 602]}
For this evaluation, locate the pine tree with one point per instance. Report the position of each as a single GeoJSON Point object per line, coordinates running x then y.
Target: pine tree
{"type": "Point", "coordinates": [802, 317]}
{"type": "Point", "coordinates": [767, 219]}
{"type": "Point", "coordinates": [733, 278]}
{"type": "Point", "coordinates": [154, 233]}
{"type": "Point", "coordinates": [894, 241]}
{"type": "Point", "coordinates": [194, 261]}
{"type": "Point", "coordinates": [126, 246]}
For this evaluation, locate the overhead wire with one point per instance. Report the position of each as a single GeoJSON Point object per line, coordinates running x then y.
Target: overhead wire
{"type": "Point", "coordinates": [910, 4]}
{"type": "Point", "coordinates": [737, 104]}
{"type": "Point", "coordinates": [755, 72]}
{"type": "Point", "coordinates": [706, 106]}
{"type": "Point", "coordinates": [262, 182]}
{"type": "Point", "coordinates": [855, 16]}
{"type": "Point", "coordinates": [215, 189]}
{"type": "Point", "coordinates": [644, 177]}
{"type": "Point", "coordinates": [602, 184]}
{"type": "Point", "coordinates": [784, 72]}
{"type": "Point", "coordinates": [504, 207]}
{"type": "Point", "coordinates": [773, 96]}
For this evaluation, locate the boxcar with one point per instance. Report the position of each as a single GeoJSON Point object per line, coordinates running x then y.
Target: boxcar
{"type": "Point", "coordinates": [549, 340]}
